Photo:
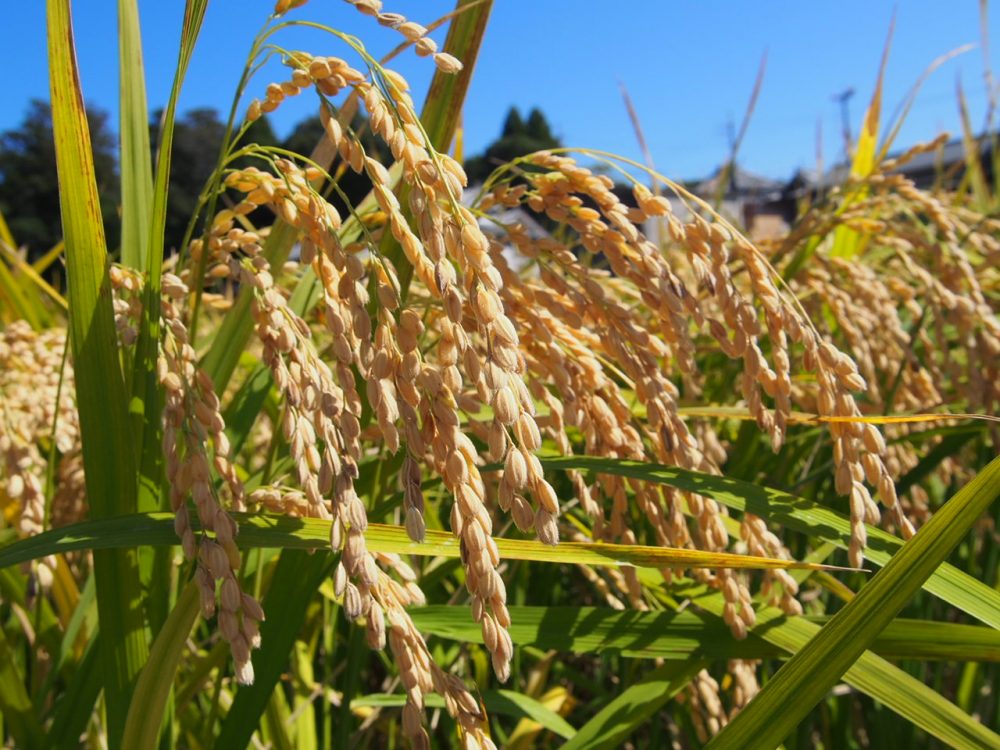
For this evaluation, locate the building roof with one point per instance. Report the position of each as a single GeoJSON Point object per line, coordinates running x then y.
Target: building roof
{"type": "Point", "coordinates": [950, 154]}
{"type": "Point", "coordinates": [741, 182]}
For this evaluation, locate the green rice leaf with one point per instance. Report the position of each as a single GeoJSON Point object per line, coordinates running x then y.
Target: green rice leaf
{"type": "Point", "coordinates": [874, 676]}
{"type": "Point", "coordinates": [75, 707]}
{"type": "Point", "coordinates": [152, 690]}
{"type": "Point", "coordinates": [108, 451]}
{"type": "Point", "coordinates": [15, 703]}
{"type": "Point", "coordinates": [443, 106]}
{"type": "Point", "coordinates": [974, 176]}
{"type": "Point", "coordinates": [681, 635]}
{"type": "Point", "coordinates": [26, 271]}
{"type": "Point", "coordinates": [805, 679]}
{"type": "Point", "coordinates": [519, 705]}
{"type": "Point", "coordinates": [258, 530]}
{"type": "Point", "coordinates": [946, 582]}
{"type": "Point", "coordinates": [501, 702]}
{"type": "Point", "coordinates": [636, 704]}
{"type": "Point", "coordinates": [5, 233]}
{"type": "Point", "coordinates": [136, 164]}
{"type": "Point", "coordinates": [145, 404]}
{"type": "Point", "coordinates": [296, 578]}
{"type": "Point", "coordinates": [871, 674]}
{"type": "Point", "coordinates": [848, 242]}
{"type": "Point", "coordinates": [15, 298]}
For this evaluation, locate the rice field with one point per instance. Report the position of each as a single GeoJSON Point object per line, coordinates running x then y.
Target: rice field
{"type": "Point", "coordinates": [407, 474]}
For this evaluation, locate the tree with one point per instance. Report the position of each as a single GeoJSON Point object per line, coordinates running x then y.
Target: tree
{"type": "Point", "coordinates": [261, 133]}
{"type": "Point", "coordinates": [517, 138]}
{"type": "Point", "coordinates": [512, 124]}
{"type": "Point", "coordinates": [198, 138]}
{"type": "Point", "coordinates": [29, 188]}
{"type": "Point", "coordinates": [537, 129]}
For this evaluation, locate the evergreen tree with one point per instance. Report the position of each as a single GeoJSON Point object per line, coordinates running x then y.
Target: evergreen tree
{"type": "Point", "coordinates": [517, 138]}
{"type": "Point", "coordinates": [512, 124]}
{"type": "Point", "coordinates": [198, 137]}
{"type": "Point", "coordinates": [537, 128]}
{"type": "Point", "coordinates": [29, 187]}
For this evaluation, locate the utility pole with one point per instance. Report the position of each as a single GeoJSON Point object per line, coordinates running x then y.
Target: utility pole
{"type": "Point", "coordinates": [845, 117]}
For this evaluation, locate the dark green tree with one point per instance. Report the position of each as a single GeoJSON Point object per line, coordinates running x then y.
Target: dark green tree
{"type": "Point", "coordinates": [261, 133]}
{"type": "Point", "coordinates": [198, 137]}
{"type": "Point", "coordinates": [537, 129]}
{"type": "Point", "coordinates": [304, 136]}
{"type": "Point", "coordinates": [29, 187]}
{"type": "Point", "coordinates": [517, 138]}
{"type": "Point", "coordinates": [512, 124]}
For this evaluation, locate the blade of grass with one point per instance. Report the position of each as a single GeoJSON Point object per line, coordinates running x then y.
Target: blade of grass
{"type": "Point", "coordinates": [15, 703]}
{"type": "Point", "coordinates": [76, 635]}
{"type": "Point", "coordinates": [75, 705]}
{"type": "Point", "coordinates": [350, 684]}
{"type": "Point", "coordinates": [520, 705]}
{"type": "Point", "coordinates": [947, 582]}
{"type": "Point", "coordinates": [446, 96]}
{"type": "Point", "coordinates": [153, 688]}
{"type": "Point", "coordinates": [502, 702]}
{"type": "Point", "coordinates": [802, 682]}
{"type": "Point", "coordinates": [5, 234]}
{"type": "Point", "coordinates": [974, 175]}
{"type": "Point", "coordinates": [145, 405]}
{"type": "Point", "coordinates": [304, 694]}
{"type": "Point", "coordinates": [108, 450]}
{"type": "Point", "coordinates": [65, 594]}
{"type": "Point", "coordinates": [136, 166]}
{"type": "Point", "coordinates": [310, 534]}
{"type": "Point", "coordinates": [680, 635]}
{"type": "Point", "coordinates": [275, 729]}
{"type": "Point", "coordinates": [848, 242]}
{"type": "Point", "coordinates": [50, 257]}
{"type": "Point", "coordinates": [25, 269]}
{"type": "Point", "coordinates": [903, 110]}
{"type": "Point", "coordinates": [16, 298]}
{"type": "Point", "coordinates": [296, 578]}
{"type": "Point", "coordinates": [636, 704]}
{"type": "Point", "coordinates": [872, 675]}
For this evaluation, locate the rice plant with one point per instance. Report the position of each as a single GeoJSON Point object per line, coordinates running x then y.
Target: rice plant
{"type": "Point", "coordinates": [406, 473]}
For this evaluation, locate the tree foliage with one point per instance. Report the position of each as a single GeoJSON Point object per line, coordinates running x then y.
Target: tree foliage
{"type": "Point", "coordinates": [29, 188]}
{"type": "Point", "coordinates": [29, 191]}
{"type": "Point", "coordinates": [517, 138]}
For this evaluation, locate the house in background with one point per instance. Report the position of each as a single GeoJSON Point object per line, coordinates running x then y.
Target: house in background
{"type": "Point", "coordinates": [945, 167]}
{"type": "Point", "coordinates": [766, 208]}
{"type": "Point", "coordinates": [762, 206]}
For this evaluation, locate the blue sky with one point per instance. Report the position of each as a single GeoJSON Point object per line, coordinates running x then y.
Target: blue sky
{"type": "Point", "coordinates": [688, 66]}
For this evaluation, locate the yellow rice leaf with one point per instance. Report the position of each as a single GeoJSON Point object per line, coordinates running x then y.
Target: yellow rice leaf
{"type": "Point", "coordinates": [801, 417]}
{"type": "Point", "coordinates": [847, 242]}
